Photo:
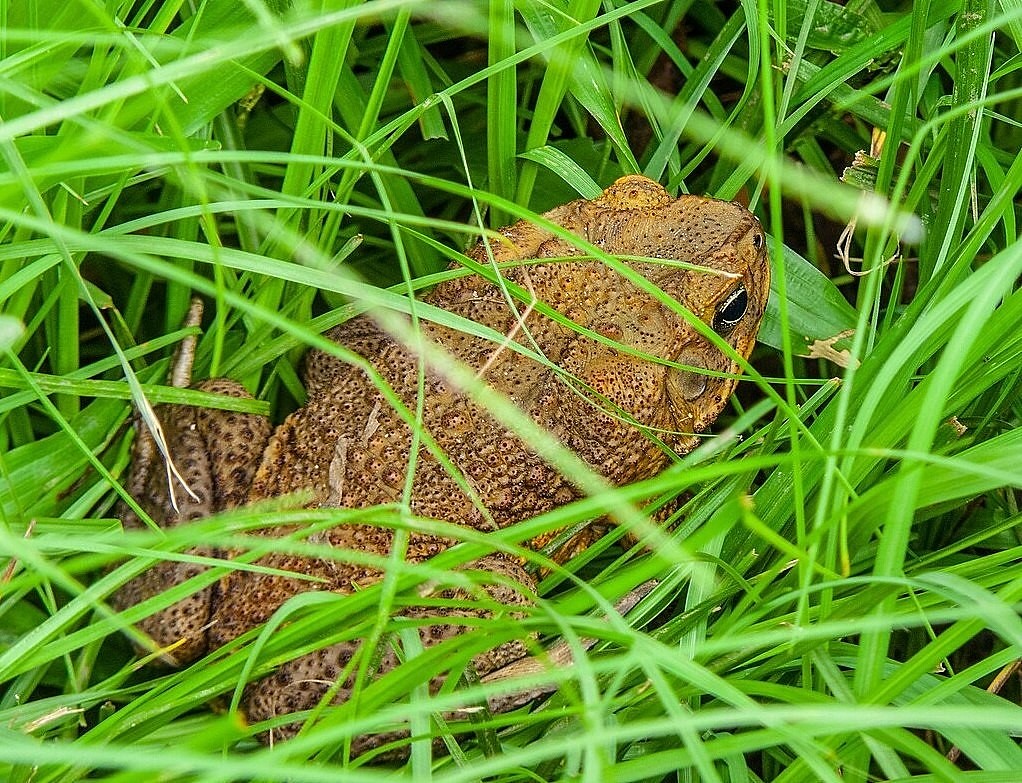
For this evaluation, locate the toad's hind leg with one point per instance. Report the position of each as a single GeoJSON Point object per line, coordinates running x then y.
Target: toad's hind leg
{"type": "Point", "coordinates": [216, 453]}
{"type": "Point", "coordinates": [302, 683]}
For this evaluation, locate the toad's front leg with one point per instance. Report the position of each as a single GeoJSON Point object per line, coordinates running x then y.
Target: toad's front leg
{"type": "Point", "coordinates": [216, 453]}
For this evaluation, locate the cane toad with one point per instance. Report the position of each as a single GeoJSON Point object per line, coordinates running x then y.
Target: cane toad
{"type": "Point", "coordinates": [625, 369]}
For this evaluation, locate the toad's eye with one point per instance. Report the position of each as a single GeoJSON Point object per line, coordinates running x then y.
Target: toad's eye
{"type": "Point", "coordinates": [731, 311]}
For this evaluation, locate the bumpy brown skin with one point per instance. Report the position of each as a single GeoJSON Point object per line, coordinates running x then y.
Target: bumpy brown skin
{"type": "Point", "coordinates": [352, 449]}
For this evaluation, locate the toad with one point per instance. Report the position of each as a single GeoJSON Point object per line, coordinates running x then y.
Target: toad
{"type": "Point", "coordinates": [620, 376]}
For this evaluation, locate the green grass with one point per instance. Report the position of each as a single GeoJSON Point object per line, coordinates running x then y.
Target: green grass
{"type": "Point", "coordinates": [843, 585]}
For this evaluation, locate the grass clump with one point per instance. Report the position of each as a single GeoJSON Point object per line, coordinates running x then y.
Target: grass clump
{"type": "Point", "coordinates": [838, 599]}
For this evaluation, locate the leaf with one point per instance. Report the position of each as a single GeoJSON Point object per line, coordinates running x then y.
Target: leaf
{"type": "Point", "coordinates": [43, 471]}
{"type": "Point", "coordinates": [565, 168]}
{"type": "Point", "coordinates": [817, 311]}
